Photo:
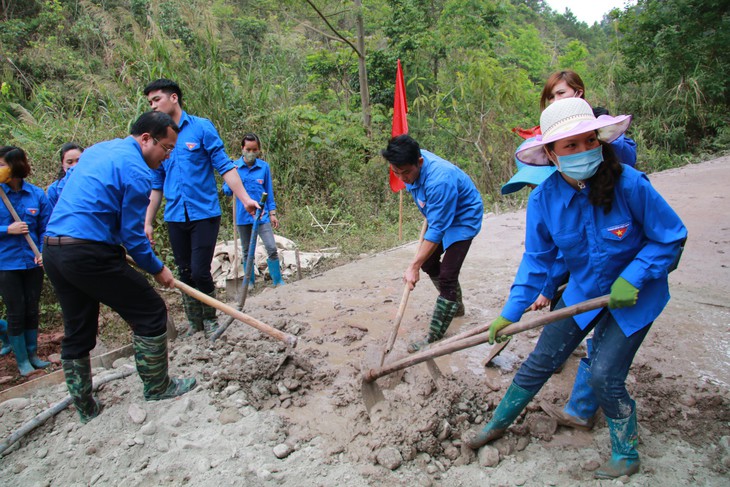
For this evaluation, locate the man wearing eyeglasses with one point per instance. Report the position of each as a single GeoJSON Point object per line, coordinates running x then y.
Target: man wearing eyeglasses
{"type": "Point", "coordinates": [192, 209]}
{"type": "Point", "coordinates": [98, 218]}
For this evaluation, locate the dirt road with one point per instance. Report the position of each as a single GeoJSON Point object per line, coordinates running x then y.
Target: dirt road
{"type": "Point", "coordinates": [258, 402]}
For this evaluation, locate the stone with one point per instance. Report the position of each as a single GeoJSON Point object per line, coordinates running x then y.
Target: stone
{"type": "Point", "coordinates": [42, 453]}
{"type": "Point", "coordinates": [149, 429]}
{"type": "Point", "coordinates": [522, 443]}
{"type": "Point", "coordinates": [542, 426]}
{"type": "Point", "coordinates": [389, 458]}
{"type": "Point", "coordinates": [136, 413]}
{"type": "Point", "coordinates": [282, 450]}
{"type": "Point", "coordinates": [488, 456]}
{"type": "Point", "coordinates": [590, 465]}
{"type": "Point", "coordinates": [229, 415]}
{"type": "Point", "coordinates": [505, 446]}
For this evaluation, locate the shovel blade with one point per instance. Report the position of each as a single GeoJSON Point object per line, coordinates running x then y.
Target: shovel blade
{"type": "Point", "coordinates": [372, 395]}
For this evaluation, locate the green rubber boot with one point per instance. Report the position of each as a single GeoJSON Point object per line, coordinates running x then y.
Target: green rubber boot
{"type": "Point", "coordinates": [624, 440]}
{"type": "Point", "coordinates": [210, 320]}
{"type": "Point", "coordinates": [21, 354]}
{"type": "Point", "coordinates": [31, 345]}
{"type": "Point", "coordinates": [443, 315]}
{"type": "Point", "coordinates": [511, 405]}
{"type": "Point", "coordinates": [461, 311]}
{"type": "Point", "coordinates": [78, 382]}
{"type": "Point", "coordinates": [194, 314]}
{"type": "Point", "coordinates": [150, 355]}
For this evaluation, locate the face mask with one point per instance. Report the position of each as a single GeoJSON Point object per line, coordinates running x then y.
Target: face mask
{"type": "Point", "coordinates": [5, 174]}
{"type": "Point", "coordinates": [583, 165]}
{"type": "Point", "coordinates": [250, 157]}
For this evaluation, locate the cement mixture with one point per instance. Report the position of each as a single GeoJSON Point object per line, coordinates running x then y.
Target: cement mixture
{"type": "Point", "coordinates": [267, 415]}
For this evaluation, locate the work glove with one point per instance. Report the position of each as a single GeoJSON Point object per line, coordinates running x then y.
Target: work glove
{"type": "Point", "coordinates": [497, 325]}
{"type": "Point", "coordinates": [623, 294]}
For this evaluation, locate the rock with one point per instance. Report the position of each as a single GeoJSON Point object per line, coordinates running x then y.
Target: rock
{"type": "Point", "coordinates": [542, 426]}
{"type": "Point", "coordinates": [687, 400]}
{"type": "Point", "coordinates": [149, 429]}
{"type": "Point", "coordinates": [282, 389]}
{"type": "Point", "coordinates": [15, 404]}
{"type": "Point", "coordinates": [505, 446]}
{"type": "Point", "coordinates": [19, 467]}
{"type": "Point", "coordinates": [522, 443]}
{"type": "Point", "coordinates": [231, 389]}
{"type": "Point", "coordinates": [5, 379]}
{"type": "Point", "coordinates": [445, 431]}
{"type": "Point", "coordinates": [590, 465]}
{"type": "Point", "coordinates": [42, 453]}
{"type": "Point", "coordinates": [229, 415]}
{"type": "Point", "coordinates": [55, 358]}
{"type": "Point", "coordinates": [91, 450]}
{"type": "Point", "coordinates": [136, 413]}
{"type": "Point", "coordinates": [282, 450]}
{"type": "Point", "coordinates": [432, 469]}
{"type": "Point", "coordinates": [389, 458]}
{"type": "Point", "coordinates": [488, 456]}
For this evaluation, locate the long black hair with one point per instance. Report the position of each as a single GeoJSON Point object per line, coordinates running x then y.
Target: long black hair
{"type": "Point", "coordinates": [604, 181]}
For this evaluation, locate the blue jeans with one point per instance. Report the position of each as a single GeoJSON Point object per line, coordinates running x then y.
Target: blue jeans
{"type": "Point", "coordinates": [613, 353]}
{"type": "Point", "coordinates": [267, 236]}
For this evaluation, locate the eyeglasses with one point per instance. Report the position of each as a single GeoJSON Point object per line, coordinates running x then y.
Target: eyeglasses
{"type": "Point", "coordinates": [166, 148]}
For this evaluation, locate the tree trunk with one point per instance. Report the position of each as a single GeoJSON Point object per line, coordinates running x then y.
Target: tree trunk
{"type": "Point", "coordinates": [364, 90]}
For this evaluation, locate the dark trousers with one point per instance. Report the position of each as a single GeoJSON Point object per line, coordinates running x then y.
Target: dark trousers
{"type": "Point", "coordinates": [21, 292]}
{"type": "Point", "coordinates": [612, 355]}
{"type": "Point", "coordinates": [84, 275]}
{"type": "Point", "coordinates": [193, 245]}
{"type": "Point", "coordinates": [447, 270]}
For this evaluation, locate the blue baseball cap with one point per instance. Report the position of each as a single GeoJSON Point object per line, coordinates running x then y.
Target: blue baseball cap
{"type": "Point", "coordinates": [527, 174]}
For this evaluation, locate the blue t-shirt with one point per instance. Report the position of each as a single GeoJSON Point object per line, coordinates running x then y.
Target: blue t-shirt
{"type": "Point", "coordinates": [186, 178]}
{"type": "Point", "coordinates": [106, 200]}
{"type": "Point", "coordinates": [448, 199]}
{"type": "Point", "coordinates": [637, 240]}
{"type": "Point", "coordinates": [31, 205]}
{"type": "Point", "coordinates": [257, 181]}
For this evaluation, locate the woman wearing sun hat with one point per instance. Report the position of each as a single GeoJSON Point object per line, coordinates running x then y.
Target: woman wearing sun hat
{"type": "Point", "coordinates": [618, 236]}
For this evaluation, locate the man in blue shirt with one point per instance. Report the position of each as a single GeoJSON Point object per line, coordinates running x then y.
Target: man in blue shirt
{"type": "Point", "coordinates": [100, 214]}
{"type": "Point", "coordinates": [256, 176]}
{"type": "Point", "coordinates": [453, 209]}
{"type": "Point", "coordinates": [192, 210]}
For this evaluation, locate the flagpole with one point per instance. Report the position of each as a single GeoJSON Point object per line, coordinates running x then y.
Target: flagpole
{"type": "Point", "coordinates": [400, 215]}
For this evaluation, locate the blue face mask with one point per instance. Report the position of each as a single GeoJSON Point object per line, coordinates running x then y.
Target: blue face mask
{"type": "Point", "coordinates": [583, 165]}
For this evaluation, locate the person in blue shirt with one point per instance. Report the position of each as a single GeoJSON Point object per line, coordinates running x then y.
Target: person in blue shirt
{"type": "Point", "coordinates": [21, 272]}
{"type": "Point", "coordinates": [618, 236]}
{"type": "Point", "coordinates": [192, 210]}
{"type": "Point", "coordinates": [98, 219]}
{"type": "Point", "coordinates": [256, 176]}
{"type": "Point", "coordinates": [446, 196]}
{"type": "Point", "coordinates": [70, 154]}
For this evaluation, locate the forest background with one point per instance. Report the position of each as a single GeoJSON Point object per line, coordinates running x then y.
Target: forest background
{"type": "Point", "coordinates": [73, 70]}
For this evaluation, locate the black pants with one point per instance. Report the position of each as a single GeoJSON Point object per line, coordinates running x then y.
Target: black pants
{"type": "Point", "coordinates": [193, 245]}
{"type": "Point", "coordinates": [21, 292]}
{"type": "Point", "coordinates": [85, 275]}
{"type": "Point", "coordinates": [447, 270]}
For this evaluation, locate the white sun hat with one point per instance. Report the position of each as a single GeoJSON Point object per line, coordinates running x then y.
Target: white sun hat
{"type": "Point", "coordinates": [566, 118]}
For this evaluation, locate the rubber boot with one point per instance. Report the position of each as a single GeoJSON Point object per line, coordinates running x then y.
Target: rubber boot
{"type": "Point", "coordinates": [275, 272]}
{"type": "Point", "coordinates": [461, 311]}
{"type": "Point", "coordinates": [624, 440]}
{"type": "Point", "coordinates": [78, 382]}
{"type": "Point", "coordinates": [511, 405]}
{"type": "Point", "coordinates": [193, 312]}
{"type": "Point", "coordinates": [31, 345]}
{"type": "Point", "coordinates": [150, 355]}
{"type": "Point", "coordinates": [443, 314]}
{"type": "Point", "coordinates": [6, 348]}
{"type": "Point", "coordinates": [17, 343]}
{"type": "Point", "coordinates": [210, 319]}
{"type": "Point", "coordinates": [580, 412]}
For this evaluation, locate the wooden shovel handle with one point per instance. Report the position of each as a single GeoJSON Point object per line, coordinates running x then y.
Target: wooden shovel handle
{"type": "Point", "coordinates": [290, 340]}
{"type": "Point", "coordinates": [403, 303]}
{"type": "Point", "coordinates": [514, 328]}
{"type": "Point", "coordinates": [14, 213]}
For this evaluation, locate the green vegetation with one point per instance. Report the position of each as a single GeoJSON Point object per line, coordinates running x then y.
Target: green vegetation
{"type": "Point", "coordinates": [74, 70]}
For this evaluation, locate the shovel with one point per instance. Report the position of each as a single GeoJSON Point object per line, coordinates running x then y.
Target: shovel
{"type": "Point", "coordinates": [233, 286]}
{"type": "Point", "coordinates": [249, 269]}
{"type": "Point", "coordinates": [372, 394]}
{"type": "Point", "coordinates": [403, 303]}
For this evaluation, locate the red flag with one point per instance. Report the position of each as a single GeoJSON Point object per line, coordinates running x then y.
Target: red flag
{"type": "Point", "coordinates": [527, 133]}
{"type": "Point", "coordinates": [400, 121]}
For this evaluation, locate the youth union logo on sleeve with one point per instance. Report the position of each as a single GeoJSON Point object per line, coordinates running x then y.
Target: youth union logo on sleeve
{"type": "Point", "coordinates": [191, 145]}
{"type": "Point", "coordinates": [33, 211]}
{"type": "Point", "coordinates": [260, 181]}
{"type": "Point", "coordinates": [619, 230]}
{"type": "Point", "coordinates": [421, 203]}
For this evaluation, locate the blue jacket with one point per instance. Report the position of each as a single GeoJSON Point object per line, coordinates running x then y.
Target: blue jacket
{"type": "Point", "coordinates": [637, 240]}
{"type": "Point", "coordinates": [54, 190]}
{"type": "Point", "coordinates": [186, 178]}
{"type": "Point", "coordinates": [257, 180]}
{"type": "Point", "coordinates": [31, 205]}
{"type": "Point", "coordinates": [106, 200]}
{"type": "Point", "coordinates": [447, 197]}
